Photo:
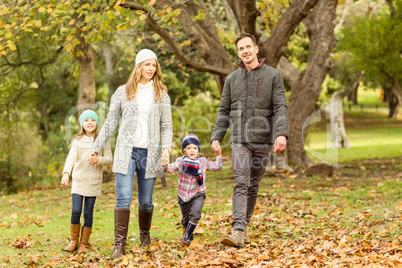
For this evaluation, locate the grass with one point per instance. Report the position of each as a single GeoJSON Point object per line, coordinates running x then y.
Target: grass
{"type": "Point", "coordinates": [288, 210]}
{"type": "Point", "coordinates": [370, 135]}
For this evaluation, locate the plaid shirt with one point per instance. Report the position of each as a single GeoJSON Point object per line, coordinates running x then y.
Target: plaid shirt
{"type": "Point", "coordinates": [188, 186]}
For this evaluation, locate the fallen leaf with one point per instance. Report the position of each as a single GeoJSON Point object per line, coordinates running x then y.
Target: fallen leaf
{"type": "Point", "coordinates": [227, 260]}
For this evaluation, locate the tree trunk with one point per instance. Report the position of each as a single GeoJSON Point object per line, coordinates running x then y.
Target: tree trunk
{"type": "Point", "coordinates": [337, 125]}
{"type": "Point", "coordinates": [86, 93]}
{"type": "Point", "coordinates": [352, 96]}
{"type": "Point", "coordinates": [107, 56]}
{"type": "Point", "coordinates": [304, 94]}
{"type": "Point", "coordinates": [393, 107]}
{"type": "Point", "coordinates": [397, 90]}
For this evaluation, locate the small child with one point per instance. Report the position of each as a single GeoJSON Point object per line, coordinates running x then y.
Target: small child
{"type": "Point", "coordinates": [87, 179]}
{"type": "Point", "coordinates": [191, 175]}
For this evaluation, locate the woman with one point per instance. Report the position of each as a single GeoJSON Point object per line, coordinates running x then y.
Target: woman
{"type": "Point", "coordinates": [144, 108]}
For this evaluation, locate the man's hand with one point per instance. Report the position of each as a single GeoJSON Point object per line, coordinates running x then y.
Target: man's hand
{"type": "Point", "coordinates": [65, 179]}
{"type": "Point", "coordinates": [216, 147]}
{"type": "Point", "coordinates": [280, 144]}
{"type": "Point", "coordinates": [165, 157]}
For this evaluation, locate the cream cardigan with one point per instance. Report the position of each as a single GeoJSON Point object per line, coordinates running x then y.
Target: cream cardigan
{"type": "Point", "coordinates": [87, 179]}
{"type": "Point", "coordinates": [160, 130]}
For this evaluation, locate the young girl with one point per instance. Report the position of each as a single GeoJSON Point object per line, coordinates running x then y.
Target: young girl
{"type": "Point", "coordinates": [87, 179]}
{"type": "Point", "coordinates": [191, 175]}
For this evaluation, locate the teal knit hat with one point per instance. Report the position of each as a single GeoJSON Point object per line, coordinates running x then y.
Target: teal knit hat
{"type": "Point", "coordinates": [88, 114]}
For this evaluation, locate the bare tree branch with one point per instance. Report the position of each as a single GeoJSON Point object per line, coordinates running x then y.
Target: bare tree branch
{"type": "Point", "coordinates": [276, 45]}
{"type": "Point", "coordinates": [201, 33]}
{"type": "Point", "coordinates": [246, 14]}
{"type": "Point", "coordinates": [180, 55]}
{"type": "Point", "coordinates": [291, 74]}
{"type": "Point", "coordinates": [29, 62]}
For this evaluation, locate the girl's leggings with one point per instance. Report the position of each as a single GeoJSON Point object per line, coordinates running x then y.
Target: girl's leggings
{"type": "Point", "coordinates": [89, 204]}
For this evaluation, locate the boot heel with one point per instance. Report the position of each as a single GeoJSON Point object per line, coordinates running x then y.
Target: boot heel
{"type": "Point", "coordinates": [188, 236]}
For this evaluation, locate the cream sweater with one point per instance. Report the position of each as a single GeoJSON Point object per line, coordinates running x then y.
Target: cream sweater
{"type": "Point", "coordinates": [87, 179]}
{"type": "Point", "coordinates": [145, 100]}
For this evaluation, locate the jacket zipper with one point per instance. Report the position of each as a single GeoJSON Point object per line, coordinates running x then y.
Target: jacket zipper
{"type": "Point", "coordinates": [258, 87]}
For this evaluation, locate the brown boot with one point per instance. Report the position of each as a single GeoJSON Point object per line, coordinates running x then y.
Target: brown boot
{"type": "Point", "coordinates": [145, 220]}
{"type": "Point", "coordinates": [84, 242]}
{"type": "Point", "coordinates": [121, 220]}
{"type": "Point", "coordinates": [75, 233]}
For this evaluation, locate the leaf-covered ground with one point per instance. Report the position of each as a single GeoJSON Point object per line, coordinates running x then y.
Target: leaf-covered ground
{"type": "Point", "coordinates": [351, 219]}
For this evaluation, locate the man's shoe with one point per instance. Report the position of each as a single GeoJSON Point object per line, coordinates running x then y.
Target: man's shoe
{"type": "Point", "coordinates": [246, 237]}
{"type": "Point", "coordinates": [236, 239]}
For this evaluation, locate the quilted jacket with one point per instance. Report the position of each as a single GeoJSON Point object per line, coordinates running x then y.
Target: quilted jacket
{"type": "Point", "coordinates": [253, 105]}
{"type": "Point", "coordinates": [160, 127]}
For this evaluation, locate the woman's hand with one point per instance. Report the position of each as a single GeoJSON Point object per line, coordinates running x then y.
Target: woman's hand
{"type": "Point", "coordinates": [165, 157]}
{"type": "Point", "coordinates": [93, 158]}
{"type": "Point", "coordinates": [65, 179]}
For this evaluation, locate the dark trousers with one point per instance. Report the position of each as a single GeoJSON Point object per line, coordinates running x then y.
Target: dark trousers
{"type": "Point", "coordinates": [249, 163]}
{"type": "Point", "coordinates": [191, 210]}
{"type": "Point", "coordinates": [89, 204]}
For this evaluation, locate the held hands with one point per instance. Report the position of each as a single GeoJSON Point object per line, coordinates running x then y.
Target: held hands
{"type": "Point", "coordinates": [216, 148]}
{"type": "Point", "coordinates": [280, 144]}
{"type": "Point", "coordinates": [93, 158]}
{"type": "Point", "coordinates": [65, 179]}
{"type": "Point", "coordinates": [165, 157]}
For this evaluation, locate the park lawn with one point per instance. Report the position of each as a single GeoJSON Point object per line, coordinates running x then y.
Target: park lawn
{"type": "Point", "coordinates": [364, 144]}
{"type": "Point", "coordinates": [352, 217]}
{"type": "Point", "coordinates": [370, 135]}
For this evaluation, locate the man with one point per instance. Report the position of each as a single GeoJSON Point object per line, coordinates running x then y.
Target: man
{"type": "Point", "coordinates": [254, 105]}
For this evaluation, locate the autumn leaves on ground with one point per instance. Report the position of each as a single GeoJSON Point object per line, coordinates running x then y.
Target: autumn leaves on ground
{"type": "Point", "coordinates": [352, 218]}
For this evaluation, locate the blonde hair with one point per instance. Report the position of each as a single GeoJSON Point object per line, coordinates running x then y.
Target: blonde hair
{"type": "Point", "coordinates": [83, 132]}
{"type": "Point", "coordinates": [134, 79]}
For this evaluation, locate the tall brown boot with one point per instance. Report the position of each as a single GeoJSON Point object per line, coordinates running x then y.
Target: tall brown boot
{"type": "Point", "coordinates": [121, 220]}
{"type": "Point", "coordinates": [145, 220]}
{"type": "Point", "coordinates": [75, 233]}
{"type": "Point", "coordinates": [84, 242]}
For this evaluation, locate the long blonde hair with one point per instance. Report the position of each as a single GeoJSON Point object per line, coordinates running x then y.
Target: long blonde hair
{"type": "Point", "coordinates": [134, 79]}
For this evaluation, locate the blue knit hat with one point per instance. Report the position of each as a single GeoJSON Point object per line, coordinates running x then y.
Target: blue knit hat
{"type": "Point", "coordinates": [88, 114]}
{"type": "Point", "coordinates": [190, 139]}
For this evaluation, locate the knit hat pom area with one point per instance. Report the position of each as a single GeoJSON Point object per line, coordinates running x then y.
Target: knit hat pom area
{"type": "Point", "coordinates": [143, 55]}
{"type": "Point", "coordinates": [190, 139]}
{"type": "Point", "coordinates": [88, 114]}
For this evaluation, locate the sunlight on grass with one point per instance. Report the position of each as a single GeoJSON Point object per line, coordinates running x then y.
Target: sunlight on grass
{"type": "Point", "coordinates": [364, 144]}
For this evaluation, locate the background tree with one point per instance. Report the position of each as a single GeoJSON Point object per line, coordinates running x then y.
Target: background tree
{"type": "Point", "coordinates": [375, 43]}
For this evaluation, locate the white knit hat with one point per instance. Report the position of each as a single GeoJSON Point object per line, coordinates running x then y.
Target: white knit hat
{"type": "Point", "coordinates": [143, 55]}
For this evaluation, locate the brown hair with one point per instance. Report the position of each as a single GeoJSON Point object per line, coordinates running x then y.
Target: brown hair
{"type": "Point", "coordinates": [134, 79]}
{"type": "Point", "coordinates": [244, 35]}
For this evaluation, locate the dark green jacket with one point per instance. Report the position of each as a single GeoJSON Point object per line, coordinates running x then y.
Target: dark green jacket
{"type": "Point", "coordinates": [253, 105]}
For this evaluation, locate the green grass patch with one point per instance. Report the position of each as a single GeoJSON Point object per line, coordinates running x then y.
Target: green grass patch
{"type": "Point", "coordinates": [366, 143]}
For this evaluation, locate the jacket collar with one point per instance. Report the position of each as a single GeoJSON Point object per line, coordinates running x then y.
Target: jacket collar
{"type": "Point", "coordinates": [260, 63]}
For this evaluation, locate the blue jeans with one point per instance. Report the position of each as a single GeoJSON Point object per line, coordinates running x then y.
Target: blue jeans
{"type": "Point", "coordinates": [88, 209]}
{"type": "Point", "coordinates": [124, 183]}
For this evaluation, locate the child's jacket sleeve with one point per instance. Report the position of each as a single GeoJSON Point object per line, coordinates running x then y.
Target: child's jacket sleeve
{"type": "Point", "coordinates": [173, 166]}
{"type": "Point", "coordinates": [106, 158]}
{"type": "Point", "coordinates": [214, 166]}
{"type": "Point", "coordinates": [71, 158]}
